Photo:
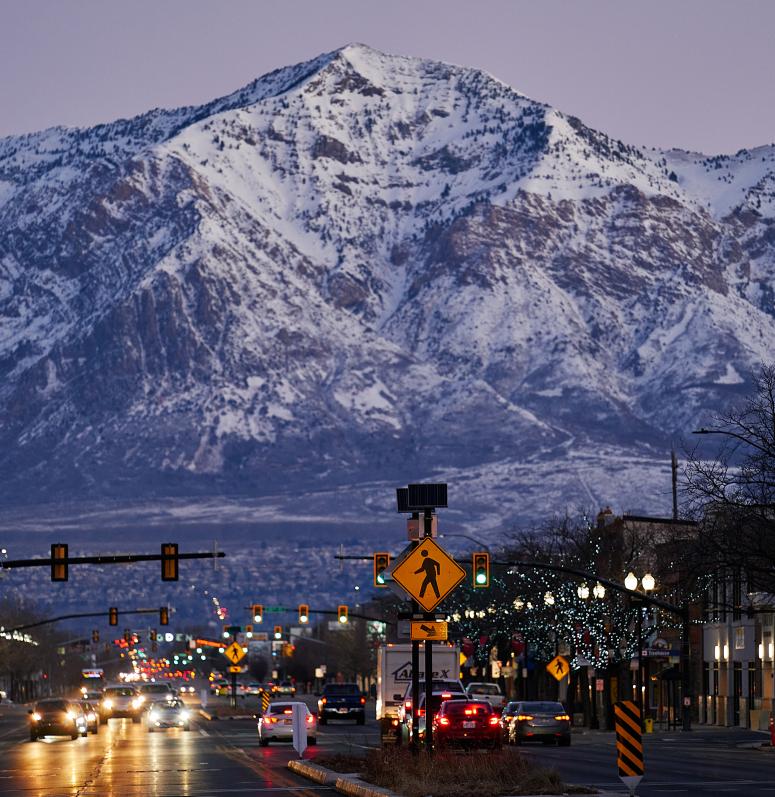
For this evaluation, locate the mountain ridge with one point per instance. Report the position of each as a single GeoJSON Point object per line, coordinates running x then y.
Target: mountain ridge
{"type": "Point", "coordinates": [383, 261]}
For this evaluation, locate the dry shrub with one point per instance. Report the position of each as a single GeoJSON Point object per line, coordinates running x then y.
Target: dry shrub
{"type": "Point", "coordinates": [458, 775]}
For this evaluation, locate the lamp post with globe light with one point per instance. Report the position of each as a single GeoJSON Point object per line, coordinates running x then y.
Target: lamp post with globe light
{"type": "Point", "coordinates": [647, 584]}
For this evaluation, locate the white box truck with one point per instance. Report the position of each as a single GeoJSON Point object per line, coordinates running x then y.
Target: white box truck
{"type": "Point", "coordinates": [394, 672]}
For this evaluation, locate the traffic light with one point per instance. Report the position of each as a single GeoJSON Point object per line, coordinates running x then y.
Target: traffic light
{"type": "Point", "coordinates": [164, 615]}
{"type": "Point", "coordinates": [278, 632]}
{"type": "Point", "coordinates": [154, 636]}
{"type": "Point", "coordinates": [481, 570]}
{"type": "Point", "coordinates": [258, 613]}
{"type": "Point", "coordinates": [169, 561]}
{"type": "Point", "coordinates": [95, 635]}
{"type": "Point", "coordinates": [381, 563]}
{"type": "Point", "coordinates": [303, 613]}
{"type": "Point", "coordinates": [113, 615]}
{"type": "Point", "coordinates": [341, 613]}
{"type": "Point", "coordinates": [59, 561]}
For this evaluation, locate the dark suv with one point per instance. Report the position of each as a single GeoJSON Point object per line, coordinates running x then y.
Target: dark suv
{"type": "Point", "coordinates": [342, 701]}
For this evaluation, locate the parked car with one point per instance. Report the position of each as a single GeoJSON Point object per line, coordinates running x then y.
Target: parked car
{"type": "Point", "coordinates": [91, 712]}
{"type": "Point", "coordinates": [121, 700]}
{"type": "Point", "coordinates": [54, 717]}
{"type": "Point", "coordinates": [342, 701]}
{"type": "Point", "coordinates": [469, 723]}
{"type": "Point", "coordinates": [491, 693]}
{"type": "Point", "coordinates": [170, 714]}
{"type": "Point", "coordinates": [533, 720]}
{"type": "Point", "coordinates": [276, 724]}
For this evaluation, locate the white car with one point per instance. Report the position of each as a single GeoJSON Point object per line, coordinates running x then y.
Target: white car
{"type": "Point", "coordinates": [276, 724]}
{"type": "Point", "coordinates": [487, 693]}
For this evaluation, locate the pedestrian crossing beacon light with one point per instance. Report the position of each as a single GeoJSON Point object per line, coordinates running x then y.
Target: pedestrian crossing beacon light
{"type": "Point", "coordinates": [278, 632]}
{"type": "Point", "coordinates": [169, 561]}
{"type": "Point", "coordinates": [95, 635]}
{"type": "Point", "coordinates": [381, 563]}
{"type": "Point", "coordinates": [164, 615]}
{"type": "Point", "coordinates": [341, 613]}
{"type": "Point", "coordinates": [59, 562]}
{"type": "Point", "coordinates": [481, 569]}
{"type": "Point", "coordinates": [113, 615]}
{"type": "Point", "coordinates": [303, 613]}
{"type": "Point", "coordinates": [258, 613]}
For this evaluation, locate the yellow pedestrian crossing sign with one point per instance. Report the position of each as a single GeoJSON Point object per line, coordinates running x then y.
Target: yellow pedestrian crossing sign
{"type": "Point", "coordinates": [558, 667]}
{"type": "Point", "coordinates": [234, 653]}
{"type": "Point", "coordinates": [428, 573]}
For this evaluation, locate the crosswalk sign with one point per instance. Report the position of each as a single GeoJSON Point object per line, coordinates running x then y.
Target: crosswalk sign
{"type": "Point", "coordinates": [234, 653]}
{"type": "Point", "coordinates": [558, 667]}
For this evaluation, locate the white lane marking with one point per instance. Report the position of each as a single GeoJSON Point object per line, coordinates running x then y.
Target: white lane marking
{"type": "Point", "coordinates": [203, 732]}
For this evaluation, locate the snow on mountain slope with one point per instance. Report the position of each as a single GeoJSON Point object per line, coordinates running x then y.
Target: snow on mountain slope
{"type": "Point", "coordinates": [359, 266]}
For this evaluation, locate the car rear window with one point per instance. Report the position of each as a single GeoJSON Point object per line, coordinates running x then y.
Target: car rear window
{"type": "Point", "coordinates": [485, 689]}
{"type": "Point", "coordinates": [52, 705]}
{"type": "Point", "coordinates": [279, 708]}
{"type": "Point", "coordinates": [155, 689]}
{"type": "Point", "coordinates": [543, 708]}
{"type": "Point", "coordinates": [120, 691]}
{"type": "Point", "coordinates": [460, 708]}
{"type": "Point", "coordinates": [341, 689]}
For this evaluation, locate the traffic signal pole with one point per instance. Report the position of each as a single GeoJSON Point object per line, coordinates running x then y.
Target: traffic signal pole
{"type": "Point", "coordinates": [75, 616]}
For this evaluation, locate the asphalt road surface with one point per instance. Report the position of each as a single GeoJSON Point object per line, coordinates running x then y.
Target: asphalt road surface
{"type": "Point", "coordinates": [124, 760]}
{"type": "Point", "coordinates": [703, 762]}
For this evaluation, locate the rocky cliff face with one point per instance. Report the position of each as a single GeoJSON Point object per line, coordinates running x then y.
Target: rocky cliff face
{"type": "Point", "coordinates": [362, 267]}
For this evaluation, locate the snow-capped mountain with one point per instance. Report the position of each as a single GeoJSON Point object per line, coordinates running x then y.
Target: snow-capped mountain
{"type": "Point", "coordinates": [370, 267]}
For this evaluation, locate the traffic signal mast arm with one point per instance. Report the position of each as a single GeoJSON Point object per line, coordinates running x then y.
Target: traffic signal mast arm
{"type": "Point", "coordinates": [118, 559]}
{"type": "Point", "coordinates": [75, 616]}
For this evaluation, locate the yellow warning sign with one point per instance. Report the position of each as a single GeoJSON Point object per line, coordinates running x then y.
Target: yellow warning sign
{"type": "Point", "coordinates": [428, 573]}
{"type": "Point", "coordinates": [234, 653]}
{"type": "Point", "coordinates": [558, 667]}
{"type": "Point", "coordinates": [429, 629]}
{"type": "Point", "coordinates": [235, 668]}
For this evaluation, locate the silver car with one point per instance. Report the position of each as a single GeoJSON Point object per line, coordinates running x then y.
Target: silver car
{"type": "Point", "coordinates": [172, 714]}
{"type": "Point", "coordinates": [488, 693]}
{"type": "Point", "coordinates": [536, 721]}
{"type": "Point", "coordinates": [121, 701]}
{"type": "Point", "coordinates": [276, 724]}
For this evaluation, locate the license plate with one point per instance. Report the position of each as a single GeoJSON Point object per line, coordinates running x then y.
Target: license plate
{"type": "Point", "coordinates": [469, 724]}
{"type": "Point", "coordinates": [541, 722]}
{"type": "Point", "coordinates": [342, 710]}
{"type": "Point", "coordinates": [285, 722]}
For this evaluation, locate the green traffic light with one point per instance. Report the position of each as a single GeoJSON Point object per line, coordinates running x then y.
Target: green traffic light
{"type": "Point", "coordinates": [481, 577]}
{"type": "Point", "coordinates": [380, 579]}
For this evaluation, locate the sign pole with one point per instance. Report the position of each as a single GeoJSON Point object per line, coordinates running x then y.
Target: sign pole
{"type": "Point", "coordinates": [428, 532]}
{"type": "Point", "coordinates": [234, 690]}
{"type": "Point", "coordinates": [415, 740]}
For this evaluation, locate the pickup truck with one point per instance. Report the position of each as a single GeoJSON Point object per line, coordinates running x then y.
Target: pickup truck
{"type": "Point", "coordinates": [341, 701]}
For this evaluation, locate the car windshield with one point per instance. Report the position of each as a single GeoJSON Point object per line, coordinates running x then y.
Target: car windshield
{"type": "Point", "coordinates": [485, 689]}
{"type": "Point", "coordinates": [542, 708]}
{"type": "Point", "coordinates": [52, 705]}
{"type": "Point", "coordinates": [461, 708]}
{"type": "Point", "coordinates": [120, 691]}
{"type": "Point", "coordinates": [341, 689]}
{"type": "Point", "coordinates": [511, 708]}
{"type": "Point", "coordinates": [155, 689]}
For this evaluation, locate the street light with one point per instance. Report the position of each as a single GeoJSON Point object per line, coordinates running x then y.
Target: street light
{"type": "Point", "coordinates": [631, 582]}
{"type": "Point", "coordinates": [598, 591]}
{"type": "Point", "coordinates": [583, 591]}
{"type": "Point", "coordinates": [549, 599]}
{"type": "Point", "coordinates": [648, 583]}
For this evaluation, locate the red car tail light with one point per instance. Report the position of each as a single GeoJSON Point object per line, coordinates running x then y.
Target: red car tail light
{"type": "Point", "coordinates": [524, 717]}
{"type": "Point", "coordinates": [363, 701]}
{"type": "Point", "coordinates": [407, 704]}
{"type": "Point", "coordinates": [493, 720]}
{"type": "Point", "coordinates": [269, 720]}
{"type": "Point", "coordinates": [561, 717]}
{"type": "Point", "coordinates": [324, 701]}
{"type": "Point", "coordinates": [310, 719]}
{"type": "Point", "coordinates": [443, 721]}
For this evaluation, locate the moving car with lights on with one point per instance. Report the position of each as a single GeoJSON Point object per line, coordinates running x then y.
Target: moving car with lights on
{"type": "Point", "coordinates": [533, 720]}
{"type": "Point", "coordinates": [467, 723]}
{"type": "Point", "coordinates": [121, 700]}
{"type": "Point", "coordinates": [56, 717]}
{"type": "Point", "coordinates": [276, 723]}
{"type": "Point", "coordinates": [342, 701]}
{"type": "Point", "coordinates": [172, 714]}
{"type": "Point", "coordinates": [91, 712]}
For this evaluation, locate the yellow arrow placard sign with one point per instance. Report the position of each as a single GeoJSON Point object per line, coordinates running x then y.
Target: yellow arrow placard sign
{"type": "Point", "coordinates": [428, 573]}
{"type": "Point", "coordinates": [435, 630]}
{"type": "Point", "coordinates": [234, 653]}
{"type": "Point", "coordinates": [235, 668]}
{"type": "Point", "coordinates": [558, 667]}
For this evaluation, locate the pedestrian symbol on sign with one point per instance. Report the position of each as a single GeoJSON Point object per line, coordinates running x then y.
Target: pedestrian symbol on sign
{"type": "Point", "coordinates": [558, 667]}
{"type": "Point", "coordinates": [432, 569]}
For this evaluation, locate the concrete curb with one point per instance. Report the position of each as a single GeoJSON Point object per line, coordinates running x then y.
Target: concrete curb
{"type": "Point", "coordinates": [313, 772]}
{"type": "Point", "coordinates": [214, 717]}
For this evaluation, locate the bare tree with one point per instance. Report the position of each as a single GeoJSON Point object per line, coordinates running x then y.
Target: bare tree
{"type": "Point", "coordinates": [733, 493]}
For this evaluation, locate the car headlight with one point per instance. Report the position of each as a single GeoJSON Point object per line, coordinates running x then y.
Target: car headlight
{"type": "Point", "coordinates": [184, 715]}
{"type": "Point", "coordinates": [137, 702]}
{"type": "Point", "coordinates": [71, 716]}
{"type": "Point", "coordinates": [108, 704]}
{"type": "Point", "coordinates": [90, 716]}
{"type": "Point", "coordinates": [36, 717]}
{"type": "Point", "coordinates": [154, 715]}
